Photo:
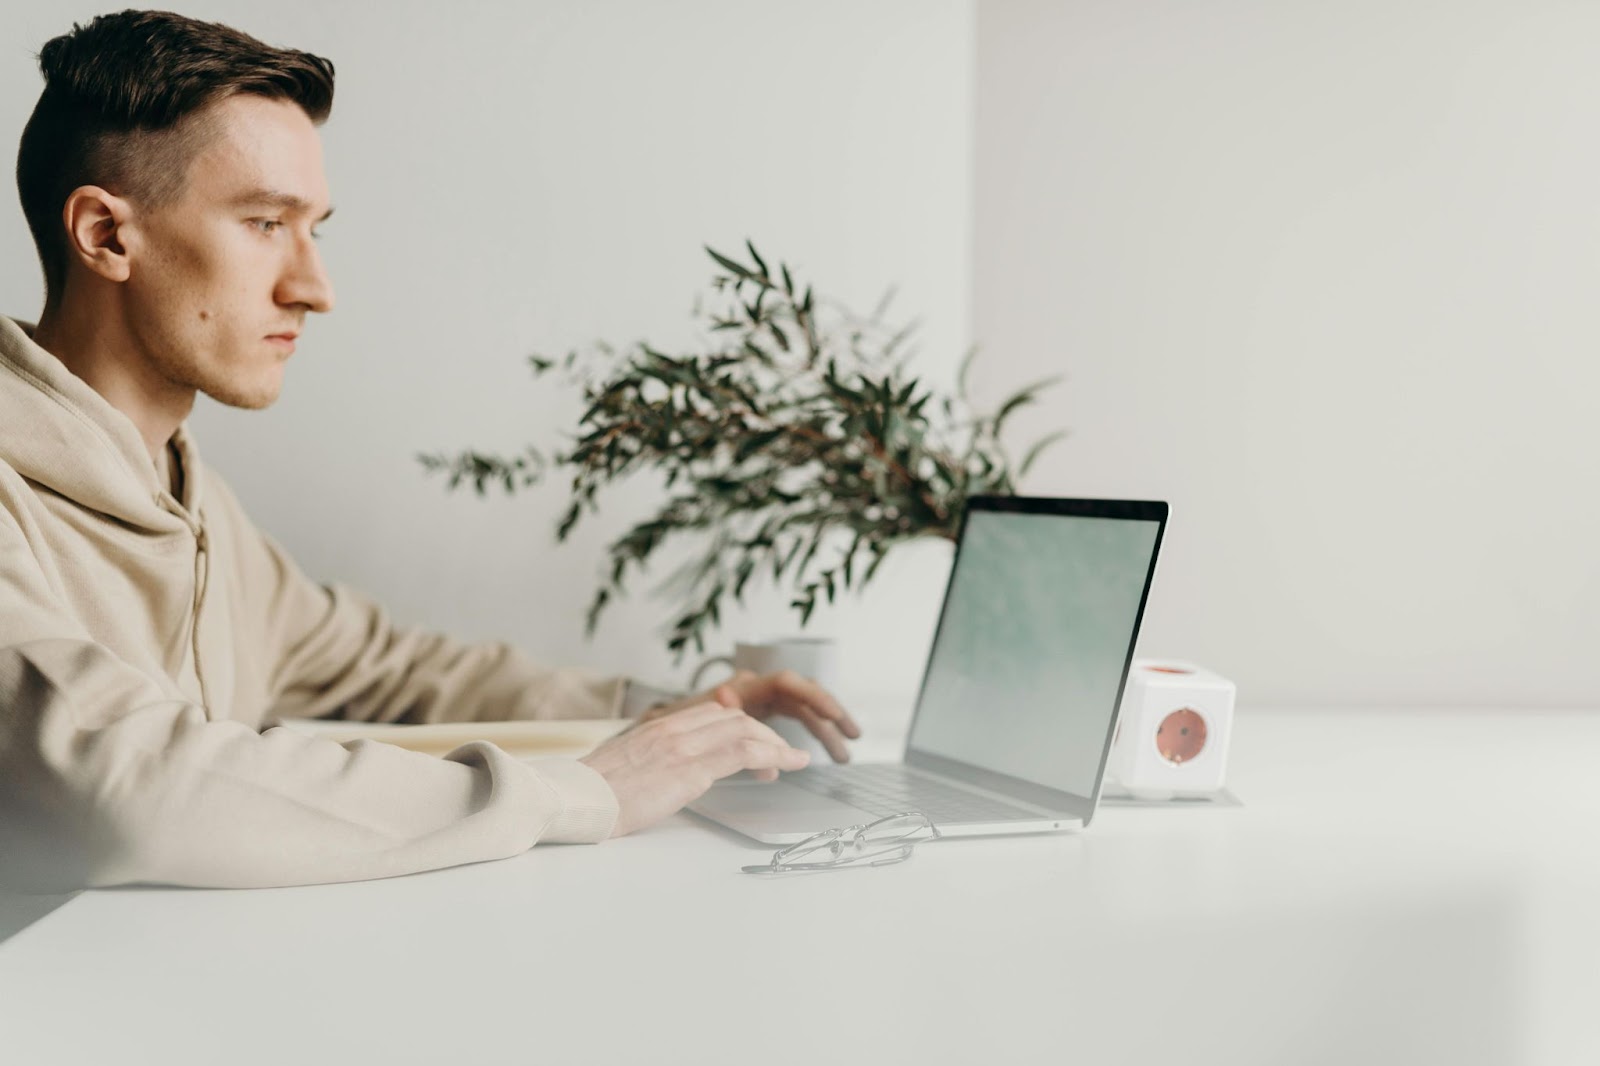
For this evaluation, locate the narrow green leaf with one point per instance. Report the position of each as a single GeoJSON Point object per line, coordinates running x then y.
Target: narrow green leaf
{"type": "Point", "coordinates": [729, 264]}
{"type": "Point", "coordinates": [1036, 450]}
{"type": "Point", "coordinates": [778, 334]}
{"type": "Point", "coordinates": [961, 374]}
{"type": "Point", "coordinates": [761, 264]}
{"type": "Point", "coordinates": [879, 553]}
{"type": "Point", "coordinates": [596, 606]}
{"type": "Point", "coordinates": [1022, 398]}
{"type": "Point", "coordinates": [883, 303]}
{"type": "Point", "coordinates": [900, 338]}
{"type": "Point", "coordinates": [569, 520]}
{"type": "Point", "coordinates": [811, 548]}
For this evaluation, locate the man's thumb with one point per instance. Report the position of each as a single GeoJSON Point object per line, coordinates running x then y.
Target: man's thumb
{"type": "Point", "coordinates": [728, 696]}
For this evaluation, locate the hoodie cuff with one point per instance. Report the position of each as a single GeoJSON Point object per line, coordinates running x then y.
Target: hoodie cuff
{"type": "Point", "coordinates": [588, 806]}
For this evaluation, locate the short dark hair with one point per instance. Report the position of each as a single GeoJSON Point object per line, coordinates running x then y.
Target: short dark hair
{"type": "Point", "coordinates": [122, 105]}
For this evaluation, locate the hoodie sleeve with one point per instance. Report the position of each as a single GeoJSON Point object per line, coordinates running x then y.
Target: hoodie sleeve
{"type": "Point", "coordinates": [106, 778]}
{"type": "Point", "coordinates": [336, 653]}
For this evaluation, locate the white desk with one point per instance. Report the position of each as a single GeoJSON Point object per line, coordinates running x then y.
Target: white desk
{"type": "Point", "coordinates": [1405, 887]}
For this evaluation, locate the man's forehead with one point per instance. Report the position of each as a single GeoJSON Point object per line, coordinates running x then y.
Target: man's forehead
{"type": "Point", "coordinates": [265, 153]}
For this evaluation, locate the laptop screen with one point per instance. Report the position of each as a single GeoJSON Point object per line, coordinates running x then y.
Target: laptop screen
{"type": "Point", "coordinates": [1032, 648]}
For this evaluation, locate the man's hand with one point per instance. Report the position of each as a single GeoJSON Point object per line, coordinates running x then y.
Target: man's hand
{"type": "Point", "coordinates": [786, 693]}
{"type": "Point", "coordinates": [658, 766]}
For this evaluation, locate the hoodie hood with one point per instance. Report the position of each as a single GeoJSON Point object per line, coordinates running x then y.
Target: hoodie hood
{"type": "Point", "coordinates": [57, 431]}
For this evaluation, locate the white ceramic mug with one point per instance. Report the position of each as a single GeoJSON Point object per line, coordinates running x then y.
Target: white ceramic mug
{"type": "Point", "coordinates": [814, 657]}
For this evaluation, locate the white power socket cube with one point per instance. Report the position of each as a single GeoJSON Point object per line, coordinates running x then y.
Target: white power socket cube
{"type": "Point", "coordinates": [1172, 730]}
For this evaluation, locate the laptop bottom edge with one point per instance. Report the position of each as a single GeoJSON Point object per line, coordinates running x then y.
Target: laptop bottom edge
{"type": "Point", "coordinates": [800, 824]}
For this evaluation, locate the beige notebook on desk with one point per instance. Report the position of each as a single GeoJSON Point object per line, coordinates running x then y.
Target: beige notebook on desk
{"type": "Point", "coordinates": [525, 740]}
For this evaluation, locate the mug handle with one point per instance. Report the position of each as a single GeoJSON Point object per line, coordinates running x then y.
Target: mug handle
{"type": "Point", "coordinates": [720, 660]}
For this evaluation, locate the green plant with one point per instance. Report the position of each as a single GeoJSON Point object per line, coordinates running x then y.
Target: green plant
{"type": "Point", "coordinates": [797, 444]}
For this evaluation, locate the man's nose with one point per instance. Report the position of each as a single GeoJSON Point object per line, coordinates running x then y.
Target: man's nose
{"type": "Point", "coordinates": [306, 282]}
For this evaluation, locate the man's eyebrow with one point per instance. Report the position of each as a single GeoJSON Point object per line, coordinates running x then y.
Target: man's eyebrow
{"type": "Point", "coordinates": [272, 198]}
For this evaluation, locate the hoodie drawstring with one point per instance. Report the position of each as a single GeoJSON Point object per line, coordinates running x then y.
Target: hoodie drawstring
{"type": "Point", "coordinates": [202, 567]}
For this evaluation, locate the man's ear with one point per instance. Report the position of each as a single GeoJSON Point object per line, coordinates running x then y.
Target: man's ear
{"type": "Point", "coordinates": [94, 219]}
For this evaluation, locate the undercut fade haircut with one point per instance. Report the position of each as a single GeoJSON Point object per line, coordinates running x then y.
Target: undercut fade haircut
{"type": "Point", "coordinates": [125, 105]}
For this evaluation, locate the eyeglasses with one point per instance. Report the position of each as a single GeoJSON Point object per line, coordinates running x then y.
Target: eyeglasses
{"type": "Point", "coordinates": [879, 843]}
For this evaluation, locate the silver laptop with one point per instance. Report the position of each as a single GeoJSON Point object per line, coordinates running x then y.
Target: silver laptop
{"type": "Point", "coordinates": [1018, 704]}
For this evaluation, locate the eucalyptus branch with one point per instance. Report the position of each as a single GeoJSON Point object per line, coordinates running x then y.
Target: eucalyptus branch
{"type": "Point", "coordinates": [797, 435]}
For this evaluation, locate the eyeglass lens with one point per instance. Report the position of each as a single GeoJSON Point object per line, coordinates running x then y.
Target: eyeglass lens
{"type": "Point", "coordinates": [878, 843]}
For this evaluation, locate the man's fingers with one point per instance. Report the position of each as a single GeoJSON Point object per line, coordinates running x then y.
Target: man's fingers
{"type": "Point", "coordinates": [825, 732]}
{"type": "Point", "coordinates": [816, 698]}
{"type": "Point", "coordinates": [739, 742]}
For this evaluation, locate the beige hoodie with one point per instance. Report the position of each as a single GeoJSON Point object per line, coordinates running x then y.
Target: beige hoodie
{"type": "Point", "coordinates": [145, 640]}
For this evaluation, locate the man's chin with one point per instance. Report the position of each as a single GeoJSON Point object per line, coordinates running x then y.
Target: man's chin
{"type": "Point", "coordinates": [255, 396]}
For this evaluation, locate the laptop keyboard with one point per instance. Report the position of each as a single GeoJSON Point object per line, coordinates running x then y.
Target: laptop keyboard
{"type": "Point", "coordinates": [889, 788]}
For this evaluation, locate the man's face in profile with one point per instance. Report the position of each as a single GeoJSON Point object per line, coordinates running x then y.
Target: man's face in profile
{"type": "Point", "coordinates": [221, 279]}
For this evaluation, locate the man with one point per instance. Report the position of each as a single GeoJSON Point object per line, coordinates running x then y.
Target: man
{"type": "Point", "coordinates": [172, 178]}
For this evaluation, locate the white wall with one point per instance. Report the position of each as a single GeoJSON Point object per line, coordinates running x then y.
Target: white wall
{"type": "Point", "coordinates": [517, 177]}
{"type": "Point", "coordinates": [1325, 276]}
{"type": "Point", "coordinates": [1320, 274]}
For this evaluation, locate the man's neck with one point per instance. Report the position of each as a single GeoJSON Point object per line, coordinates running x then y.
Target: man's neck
{"type": "Point", "coordinates": [94, 346]}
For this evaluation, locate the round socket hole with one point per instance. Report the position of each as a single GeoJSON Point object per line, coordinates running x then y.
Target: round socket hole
{"type": "Point", "coordinates": [1181, 736]}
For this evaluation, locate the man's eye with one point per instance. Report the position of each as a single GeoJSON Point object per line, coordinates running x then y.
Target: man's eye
{"type": "Point", "coordinates": [265, 225]}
